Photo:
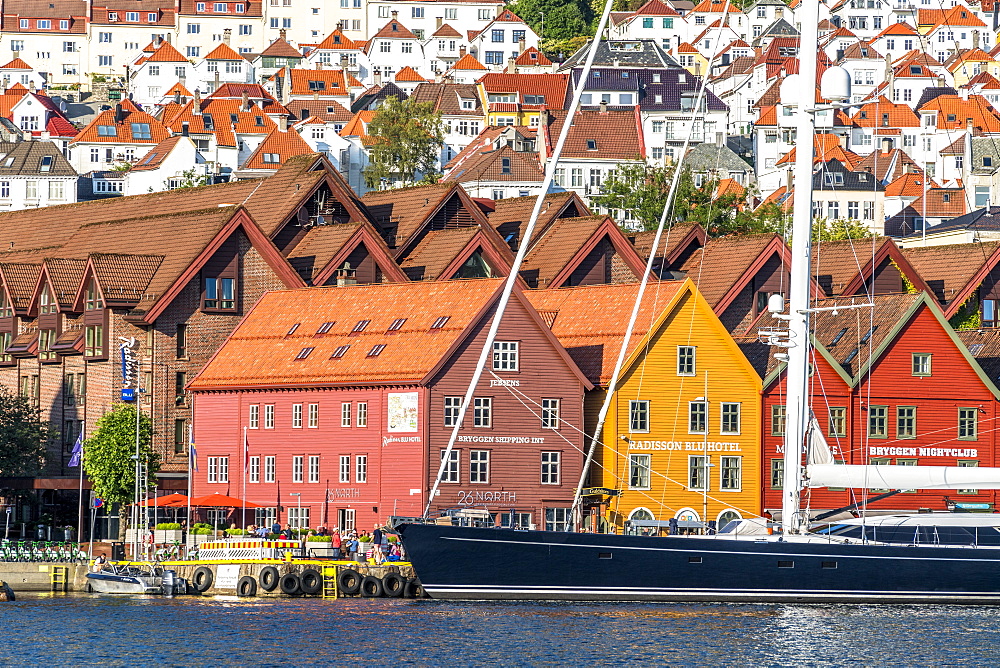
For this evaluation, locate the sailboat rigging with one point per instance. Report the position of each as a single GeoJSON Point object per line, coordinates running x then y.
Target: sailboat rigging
{"type": "Point", "coordinates": [745, 561]}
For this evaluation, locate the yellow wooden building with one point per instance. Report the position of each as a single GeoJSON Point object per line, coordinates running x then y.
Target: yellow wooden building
{"type": "Point", "coordinates": [682, 436]}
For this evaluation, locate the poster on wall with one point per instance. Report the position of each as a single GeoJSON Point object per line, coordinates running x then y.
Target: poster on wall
{"type": "Point", "coordinates": [402, 411]}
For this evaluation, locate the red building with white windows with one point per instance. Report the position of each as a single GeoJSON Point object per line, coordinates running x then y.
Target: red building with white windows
{"type": "Point", "coordinates": [890, 385]}
{"type": "Point", "coordinates": [344, 398]}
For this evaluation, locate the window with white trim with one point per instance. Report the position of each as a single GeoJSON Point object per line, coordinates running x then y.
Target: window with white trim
{"type": "Point", "coordinates": [551, 467]}
{"type": "Point", "coordinates": [313, 468]}
{"type": "Point", "coordinates": [452, 406]}
{"type": "Point", "coordinates": [345, 415]}
{"type": "Point", "coordinates": [482, 412]}
{"type": "Point", "coordinates": [686, 360]}
{"type": "Point", "coordinates": [298, 517]}
{"type": "Point", "coordinates": [730, 418]}
{"type": "Point", "coordinates": [361, 468]}
{"type": "Point", "coordinates": [297, 468]}
{"type": "Point", "coordinates": [479, 466]}
{"type": "Point", "coordinates": [731, 474]}
{"type": "Point", "coordinates": [296, 416]}
{"type": "Point", "coordinates": [218, 469]}
{"type": "Point", "coordinates": [638, 411]}
{"type": "Point", "coordinates": [505, 356]}
{"type": "Point", "coordinates": [269, 469]}
{"type": "Point", "coordinates": [450, 473]}
{"type": "Point", "coordinates": [345, 468]}
{"type": "Point", "coordinates": [253, 474]}
{"type": "Point", "coordinates": [550, 413]}
{"type": "Point", "coordinates": [268, 416]}
{"type": "Point", "coordinates": [313, 416]}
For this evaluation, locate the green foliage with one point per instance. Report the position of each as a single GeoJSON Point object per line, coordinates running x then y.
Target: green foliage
{"type": "Point", "coordinates": [23, 435]}
{"type": "Point", "coordinates": [408, 138]}
{"type": "Point", "coordinates": [191, 179]}
{"type": "Point", "coordinates": [558, 19]}
{"type": "Point", "coordinates": [317, 539]}
{"type": "Point", "coordinates": [839, 230]}
{"type": "Point", "coordinates": [968, 315]}
{"type": "Point", "coordinates": [168, 526]}
{"type": "Point", "coordinates": [108, 454]}
{"type": "Point", "coordinates": [643, 190]}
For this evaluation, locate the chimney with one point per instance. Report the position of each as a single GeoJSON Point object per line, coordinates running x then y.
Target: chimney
{"type": "Point", "coordinates": [520, 45]}
{"type": "Point", "coordinates": [964, 92]}
{"type": "Point", "coordinates": [227, 35]}
{"type": "Point", "coordinates": [378, 78]}
{"type": "Point", "coordinates": [185, 129]}
{"type": "Point", "coordinates": [168, 38]}
{"type": "Point", "coordinates": [346, 276]}
{"type": "Point", "coordinates": [288, 85]}
{"type": "Point", "coordinates": [720, 139]}
{"type": "Point", "coordinates": [604, 107]}
{"type": "Point", "coordinates": [461, 51]}
{"type": "Point", "coordinates": [319, 65]}
{"type": "Point", "coordinates": [246, 101]}
{"type": "Point", "coordinates": [543, 117]}
{"type": "Point", "coordinates": [394, 14]}
{"type": "Point", "coordinates": [438, 22]}
{"type": "Point", "coordinates": [512, 65]}
{"type": "Point", "coordinates": [283, 123]}
{"type": "Point", "coordinates": [281, 34]}
{"type": "Point", "coordinates": [886, 144]}
{"type": "Point", "coordinates": [177, 97]}
{"type": "Point", "coordinates": [196, 108]}
{"type": "Point", "coordinates": [975, 39]}
{"type": "Point", "coordinates": [157, 41]}
{"type": "Point", "coordinates": [216, 83]}
{"type": "Point", "coordinates": [119, 113]}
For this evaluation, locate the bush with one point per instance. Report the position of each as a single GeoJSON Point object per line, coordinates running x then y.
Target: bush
{"type": "Point", "coordinates": [236, 532]}
{"type": "Point", "coordinates": [168, 526]}
{"type": "Point", "coordinates": [317, 539]}
{"type": "Point", "coordinates": [202, 531]}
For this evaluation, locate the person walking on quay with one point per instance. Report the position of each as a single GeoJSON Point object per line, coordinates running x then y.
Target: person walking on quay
{"type": "Point", "coordinates": [335, 542]}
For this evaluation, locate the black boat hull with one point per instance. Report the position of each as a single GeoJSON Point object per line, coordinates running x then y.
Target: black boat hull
{"type": "Point", "coordinates": [469, 563]}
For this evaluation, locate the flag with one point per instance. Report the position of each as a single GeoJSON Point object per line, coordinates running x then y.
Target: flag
{"type": "Point", "coordinates": [194, 456]}
{"type": "Point", "coordinates": [246, 451]}
{"type": "Point", "coordinates": [77, 451]}
{"type": "Point", "coordinates": [97, 502]}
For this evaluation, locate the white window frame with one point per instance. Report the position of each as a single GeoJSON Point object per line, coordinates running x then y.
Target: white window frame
{"type": "Point", "coordinates": [691, 413]}
{"type": "Point", "coordinates": [551, 467]}
{"type": "Point", "coordinates": [297, 468]}
{"type": "Point", "coordinates": [253, 420]}
{"type": "Point", "coordinates": [722, 418]}
{"type": "Point", "coordinates": [268, 416]}
{"type": "Point", "coordinates": [313, 468]}
{"type": "Point", "coordinates": [313, 416]}
{"type": "Point", "coordinates": [550, 413]}
{"type": "Point", "coordinates": [296, 416]}
{"type": "Point", "coordinates": [452, 471]}
{"type": "Point", "coordinates": [345, 469]}
{"type": "Point", "coordinates": [452, 407]}
{"type": "Point", "coordinates": [722, 473]}
{"type": "Point", "coordinates": [643, 406]}
{"type": "Point", "coordinates": [362, 414]}
{"type": "Point", "coordinates": [270, 474]}
{"type": "Point", "coordinates": [298, 516]}
{"type": "Point", "coordinates": [253, 474]}
{"type": "Point", "coordinates": [361, 468]}
{"type": "Point", "coordinates": [692, 460]}
{"type": "Point", "coordinates": [505, 356]}
{"type": "Point", "coordinates": [640, 461]}
{"type": "Point", "coordinates": [345, 414]}
{"type": "Point", "coordinates": [682, 360]}
{"type": "Point", "coordinates": [479, 467]}
{"type": "Point", "coordinates": [482, 412]}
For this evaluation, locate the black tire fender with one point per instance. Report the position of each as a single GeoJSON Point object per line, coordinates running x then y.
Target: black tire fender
{"type": "Point", "coordinates": [269, 577]}
{"type": "Point", "coordinates": [349, 582]}
{"type": "Point", "coordinates": [414, 589]}
{"type": "Point", "coordinates": [393, 584]}
{"type": "Point", "coordinates": [290, 584]}
{"type": "Point", "coordinates": [311, 581]}
{"type": "Point", "coordinates": [202, 579]}
{"type": "Point", "coordinates": [371, 587]}
{"type": "Point", "coordinates": [247, 586]}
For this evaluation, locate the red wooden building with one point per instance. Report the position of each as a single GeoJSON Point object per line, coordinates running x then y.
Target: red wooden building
{"type": "Point", "coordinates": [890, 385]}
{"type": "Point", "coordinates": [344, 399]}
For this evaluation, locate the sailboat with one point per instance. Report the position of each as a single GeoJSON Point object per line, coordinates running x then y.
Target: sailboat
{"type": "Point", "coordinates": [747, 560]}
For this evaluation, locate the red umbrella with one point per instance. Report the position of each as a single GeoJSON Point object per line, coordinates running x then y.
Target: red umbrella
{"type": "Point", "coordinates": [223, 501]}
{"type": "Point", "coordinates": [167, 501]}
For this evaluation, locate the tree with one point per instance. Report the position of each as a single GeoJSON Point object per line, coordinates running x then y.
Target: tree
{"type": "Point", "coordinates": [108, 455]}
{"type": "Point", "coordinates": [192, 179]}
{"type": "Point", "coordinates": [839, 230]}
{"type": "Point", "coordinates": [638, 189]}
{"type": "Point", "coordinates": [557, 20]}
{"type": "Point", "coordinates": [23, 435]}
{"type": "Point", "coordinates": [407, 136]}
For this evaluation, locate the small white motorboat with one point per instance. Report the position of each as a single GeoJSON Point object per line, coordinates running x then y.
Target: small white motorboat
{"type": "Point", "coordinates": [126, 579]}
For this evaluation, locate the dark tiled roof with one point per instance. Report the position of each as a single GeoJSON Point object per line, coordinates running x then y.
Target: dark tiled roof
{"type": "Point", "coordinates": [648, 54]}
{"type": "Point", "coordinates": [984, 345]}
{"type": "Point", "coordinates": [716, 267]}
{"type": "Point", "coordinates": [447, 98]}
{"type": "Point", "coordinates": [27, 159]}
{"type": "Point", "coordinates": [949, 268]}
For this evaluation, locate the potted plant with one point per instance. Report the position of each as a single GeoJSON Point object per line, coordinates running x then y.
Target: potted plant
{"type": "Point", "coordinates": [167, 532]}
{"type": "Point", "coordinates": [318, 546]}
{"type": "Point", "coordinates": [199, 533]}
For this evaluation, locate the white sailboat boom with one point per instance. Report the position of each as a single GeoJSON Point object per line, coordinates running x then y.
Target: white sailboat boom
{"type": "Point", "coordinates": [903, 477]}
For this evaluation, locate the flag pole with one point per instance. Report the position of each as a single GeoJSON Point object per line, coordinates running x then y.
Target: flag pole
{"type": "Point", "coordinates": [79, 516]}
{"type": "Point", "coordinates": [191, 456]}
{"type": "Point", "coordinates": [246, 452]}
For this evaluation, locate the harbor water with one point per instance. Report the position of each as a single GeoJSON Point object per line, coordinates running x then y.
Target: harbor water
{"type": "Point", "coordinates": [86, 630]}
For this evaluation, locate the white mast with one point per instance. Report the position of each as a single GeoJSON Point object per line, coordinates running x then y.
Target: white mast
{"type": "Point", "coordinates": [797, 403]}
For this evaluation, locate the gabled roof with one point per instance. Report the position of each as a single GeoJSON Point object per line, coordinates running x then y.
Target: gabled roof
{"type": "Point", "coordinates": [502, 164]}
{"type": "Point", "coordinates": [532, 57]}
{"type": "Point", "coordinates": [357, 127]}
{"type": "Point", "coordinates": [282, 49]}
{"type": "Point", "coordinates": [280, 144]}
{"type": "Point", "coordinates": [614, 134]}
{"type": "Point", "coordinates": [222, 112]}
{"type": "Point", "coordinates": [179, 89]}
{"type": "Point", "coordinates": [157, 154]}
{"type": "Point", "coordinates": [655, 8]}
{"type": "Point", "coordinates": [308, 82]}
{"type": "Point", "coordinates": [884, 114]}
{"type": "Point", "coordinates": [166, 53]}
{"type": "Point", "coordinates": [393, 29]}
{"type": "Point", "coordinates": [510, 216]}
{"type": "Point", "coordinates": [123, 133]}
{"type": "Point", "coordinates": [446, 31]}
{"type": "Point", "coordinates": [338, 40]}
{"type": "Point", "coordinates": [468, 62]}
{"type": "Point", "coordinates": [899, 28]}
{"type": "Point", "coordinates": [19, 282]}
{"type": "Point", "coordinates": [223, 52]}
{"type": "Point", "coordinates": [676, 244]}
{"type": "Point", "coordinates": [412, 354]}
{"type": "Point", "coordinates": [17, 64]}
{"type": "Point", "coordinates": [954, 271]}
{"type": "Point", "coordinates": [407, 73]}
{"type": "Point", "coordinates": [722, 266]}
{"type": "Point", "coordinates": [447, 98]}
{"type": "Point", "coordinates": [714, 7]}
{"type": "Point", "coordinates": [325, 248]}
{"type": "Point", "coordinates": [441, 254]}
{"type": "Point", "coordinates": [26, 158]}
{"type": "Point", "coordinates": [959, 15]}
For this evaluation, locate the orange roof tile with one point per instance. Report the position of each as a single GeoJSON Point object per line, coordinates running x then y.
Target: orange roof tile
{"type": "Point", "coordinates": [282, 49]}
{"type": "Point", "coordinates": [655, 8]}
{"type": "Point", "coordinates": [959, 15]}
{"type": "Point", "coordinates": [684, 47]}
{"type": "Point", "coordinates": [16, 64]}
{"type": "Point", "coordinates": [897, 29]}
{"type": "Point", "coordinates": [408, 74]}
{"type": "Point", "coordinates": [446, 31]}
{"type": "Point", "coordinates": [309, 82]}
{"type": "Point", "coordinates": [954, 113]}
{"type": "Point", "coordinates": [532, 57]}
{"type": "Point", "coordinates": [410, 353]}
{"type": "Point", "coordinates": [394, 29]}
{"type": "Point", "coordinates": [357, 127]}
{"type": "Point", "coordinates": [166, 53]}
{"type": "Point", "coordinates": [221, 111]}
{"type": "Point", "coordinates": [468, 62]}
{"type": "Point", "coordinates": [884, 114]}
{"type": "Point", "coordinates": [179, 88]}
{"type": "Point", "coordinates": [157, 154]}
{"type": "Point", "coordinates": [123, 131]}
{"type": "Point", "coordinates": [223, 52]}
{"type": "Point", "coordinates": [909, 185]}
{"type": "Point", "coordinates": [281, 145]}
{"type": "Point", "coordinates": [714, 6]}
{"type": "Point", "coordinates": [338, 40]}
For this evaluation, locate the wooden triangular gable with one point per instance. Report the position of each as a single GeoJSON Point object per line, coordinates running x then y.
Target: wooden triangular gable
{"type": "Point", "coordinates": [454, 209]}
{"type": "Point", "coordinates": [498, 261]}
{"type": "Point", "coordinates": [886, 254]}
{"type": "Point", "coordinates": [608, 232]}
{"type": "Point", "coordinates": [367, 238]}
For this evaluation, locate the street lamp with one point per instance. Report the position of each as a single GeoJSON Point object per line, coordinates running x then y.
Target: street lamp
{"type": "Point", "coordinates": [298, 522]}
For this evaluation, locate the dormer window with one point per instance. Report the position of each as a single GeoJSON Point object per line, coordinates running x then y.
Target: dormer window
{"type": "Point", "coordinates": [46, 304]}
{"type": "Point", "coordinates": [505, 165]}
{"type": "Point", "coordinates": [94, 300]}
{"type": "Point", "coordinates": [219, 294]}
{"type": "Point", "coordinates": [946, 198]}
{"type": "Point", "coordinates": [6, 311]}
{"type": "Point", "coordinates": [591, 144]}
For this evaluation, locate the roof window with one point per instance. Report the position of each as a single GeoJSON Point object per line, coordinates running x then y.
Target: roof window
{"type": "Point", "coordinates": [946, 198]}
{"type": "Point", "coordinates": [838, 337]}
{"type": "Point", "coordinates": [396, 324]}
{"type": "Point", "coordinates": [868, 334]}
{"type": "Point", "coordinates": [304, 353]}
{"type": "Point", "coordinates": [440, 322]}
{"type": "Point", "coordinates": [259, 121]}
{"type": "Point", "coordinates": [360, 327]}
{"type": "Point", "coordinates": [505, 165]}
{"type": "Point", "coordinates": [208, 121]}
{"type": "Point", "coordinates": [591, 144]}
{"type": "Point", "coordinates": [149, 158]}
{"type": "Point", "coordinates": [914, 69]}
{"type": "Point", "coordinates": [46, 164]}
{"type": "Point", "coordinates": [293, 328]}
{"type": "Point", "coordinates": [107, 131]}
{"type": "Point", "coordinates": [142, 131]}
{"type": "Point", "coordinates": [234, 119]}
{"type": "Point", "coordinates": [325, 327]}
{"type": "Point", "coordinates": [376, 350]}
{"type": "Point", "coordinates": [339, 352]}
{"type": "Point", "coordinates": [9, 161]}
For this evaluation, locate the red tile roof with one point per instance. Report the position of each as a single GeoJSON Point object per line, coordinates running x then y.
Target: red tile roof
{"type": "Point", "coordinates": [156, 155]}
{"type": "Point", "coordinates": [410, 354]}
{"type": "Point", "coordinates": [394, 29]}
{"type": "Point", "coordinates": [446, 31]}
{"type": "Point", "coordinates": [16, 64]}
{"type": "Point", "coordinates": [408, 74]}
{"type": "Point", "coordinates": [284, 145]}
{"type": "Point", "coordinates": [223, 52]}
{"type": "Point", "coordinates": [123, 130]}
{"type": "Point", "coordinates": [338, 40]}
{"type": "Point", "coordinates": [468, 62]}
{"type": "Point", "coordinates": [532, 57]}
{"type": "Point", "coordinates": [223, 127]}
{"type": "Point", "coordinates": [881, 110]}
{"type": "Point", "coordinates": [166, 53]}
{"type": "Point", "coordinates": [615, 134]}
{"type": "Point", "coordinates": [552, 86]}
{"type": "Point", "coordinates": [306, 83]}
{"type": "Point", "coordinates": [282, 49]}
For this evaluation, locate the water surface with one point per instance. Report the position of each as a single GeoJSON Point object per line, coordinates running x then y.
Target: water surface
{"type": "Point", "coordinates": [85, 630]}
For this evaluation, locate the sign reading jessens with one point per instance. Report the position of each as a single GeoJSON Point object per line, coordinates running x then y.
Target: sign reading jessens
{"type": "Point", "coordinates": [402, 412]}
